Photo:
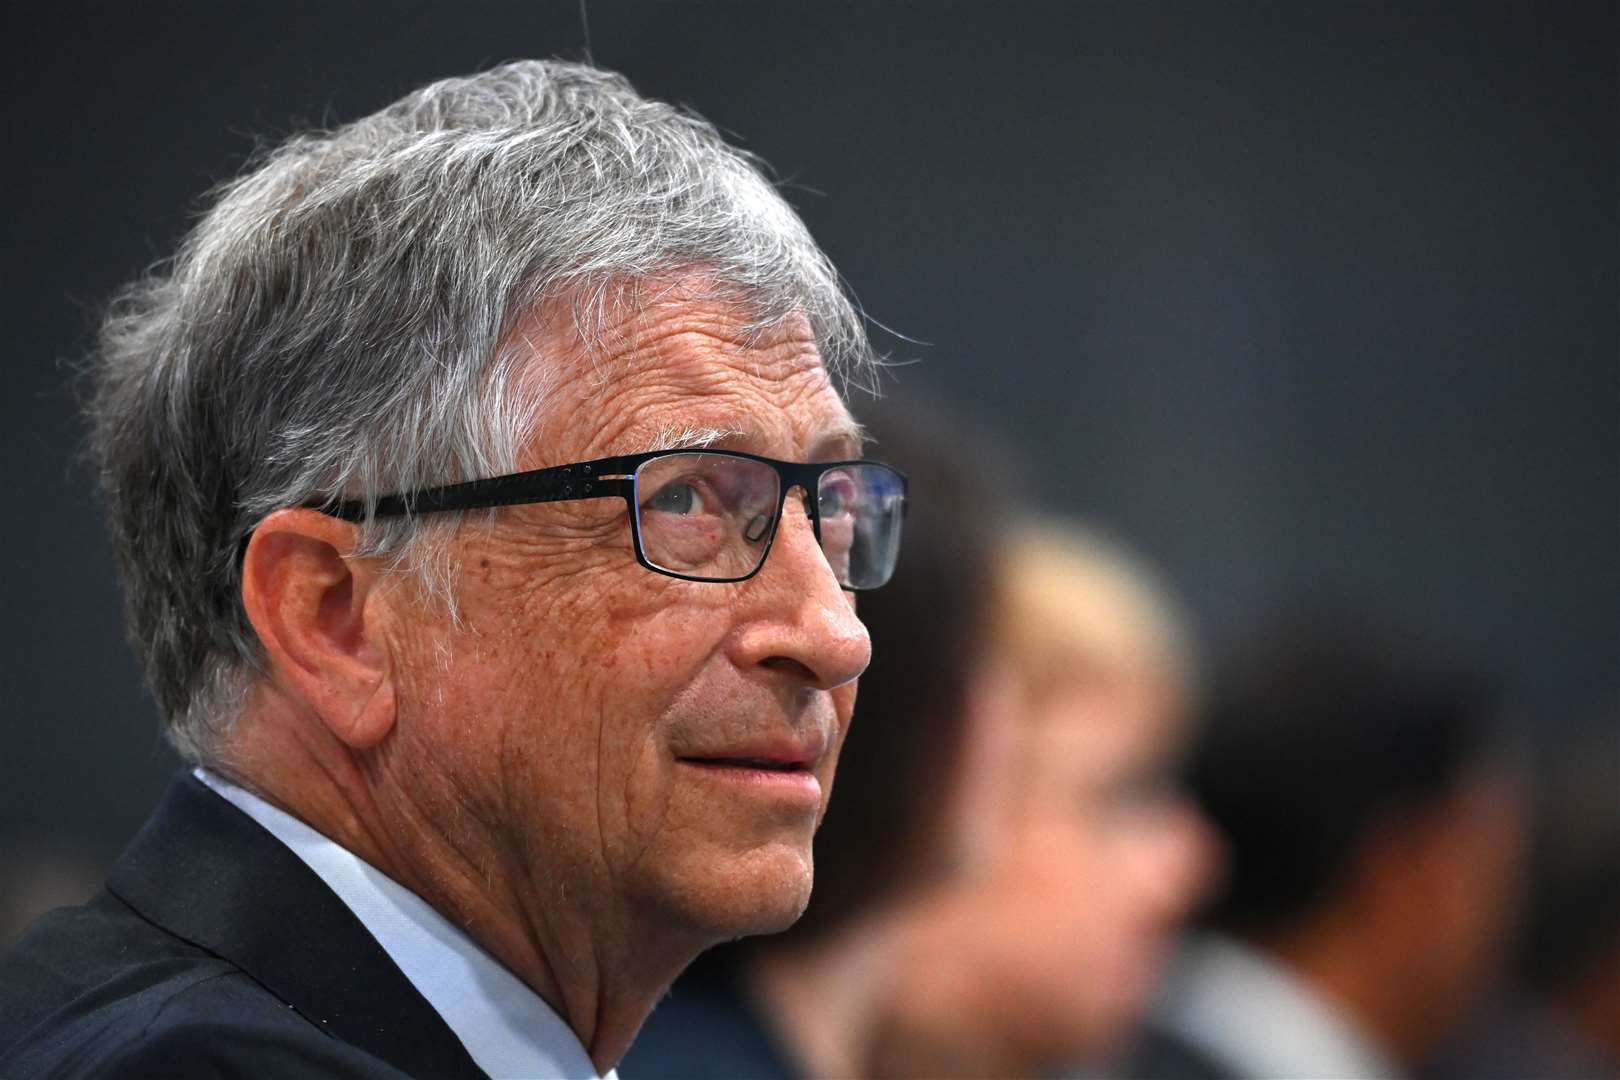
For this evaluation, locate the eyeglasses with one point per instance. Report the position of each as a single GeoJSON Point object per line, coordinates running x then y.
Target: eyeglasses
{"type": "Point", "coordinates": [703, 515]}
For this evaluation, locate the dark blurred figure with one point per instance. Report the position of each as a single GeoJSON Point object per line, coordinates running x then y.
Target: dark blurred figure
{"type": "Point", "coordinates": [1048, 959]}
{"type": "Point", "coordinates": [1374, 821]}
{"type": "Point", "coordinates": [1561, 1018]}
{"type": "Point", "coordinates": [914, 779]}
{"type": "Point", "coordinates": [32, 883]}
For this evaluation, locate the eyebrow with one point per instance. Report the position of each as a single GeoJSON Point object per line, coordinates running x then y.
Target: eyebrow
{"type": "Point", "coordinates": [846, 436]}
{"type": "Point", "coordinates": [847, 433]}
{"type": "Point", "coordinates": [691, 437]}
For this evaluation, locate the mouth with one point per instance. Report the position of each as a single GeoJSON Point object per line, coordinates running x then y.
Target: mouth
{"type": "Point", "coordinates": [767, 764]}
{"type": "Point", "coordinates": [787, 774]}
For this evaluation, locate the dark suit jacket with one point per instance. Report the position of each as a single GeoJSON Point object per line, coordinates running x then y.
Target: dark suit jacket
{"type": "Point", "coordinates": [213, 951]}
{"type": "Point", "coordinates": [708, 1028]}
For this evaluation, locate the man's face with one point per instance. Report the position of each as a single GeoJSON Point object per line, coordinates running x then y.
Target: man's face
{"type": "Point", "coordinates": [582, 726]}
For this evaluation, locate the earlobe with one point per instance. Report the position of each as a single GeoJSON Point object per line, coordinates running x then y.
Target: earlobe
{"type": "Point", "coordinates": [368, 725]}
{"type": "Point", "coordinates": [321, 621]}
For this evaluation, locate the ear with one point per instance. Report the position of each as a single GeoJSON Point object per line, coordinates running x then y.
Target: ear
{"type": "Point", "coordinates": [322, 622]}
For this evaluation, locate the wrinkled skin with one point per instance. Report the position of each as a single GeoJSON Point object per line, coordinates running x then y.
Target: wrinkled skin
{"type": "Point", "coordinates": [522, 767]}
{"type": "Point", "coordinates": [580, 676]}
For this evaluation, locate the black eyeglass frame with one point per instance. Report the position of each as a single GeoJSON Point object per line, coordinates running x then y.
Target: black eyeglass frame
{"type": "Point", "coordinates": [606, 478]}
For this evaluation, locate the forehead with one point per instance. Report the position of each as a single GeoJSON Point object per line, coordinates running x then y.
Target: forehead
{"type": "Point", "coordinates": [684, 372]}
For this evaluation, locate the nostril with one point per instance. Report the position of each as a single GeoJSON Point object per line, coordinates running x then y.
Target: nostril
{"type": "Point", "coordinates": [789, 666]}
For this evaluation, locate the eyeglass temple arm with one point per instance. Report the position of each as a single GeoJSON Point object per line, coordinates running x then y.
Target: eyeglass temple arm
{"type": "Point", "coordinates": [602, 478]}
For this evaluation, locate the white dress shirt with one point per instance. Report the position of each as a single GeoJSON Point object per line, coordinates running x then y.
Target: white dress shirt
{"type": "Point", "coordinates": [506, 1028]}
{"type": "Point", "coordinates": [1258, 1020]}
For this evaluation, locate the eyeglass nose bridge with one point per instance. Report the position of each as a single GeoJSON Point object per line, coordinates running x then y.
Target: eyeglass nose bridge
{"type": "Point", "coordinates": [809, 501]}
{"type": "Point", "coordinates": [764, 529]}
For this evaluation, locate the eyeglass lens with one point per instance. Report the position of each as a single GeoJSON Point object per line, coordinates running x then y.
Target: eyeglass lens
{"type": "Point", "coordinates": [712, 516]}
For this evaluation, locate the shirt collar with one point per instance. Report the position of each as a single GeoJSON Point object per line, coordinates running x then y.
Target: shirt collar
{"type": "Point", "coordinates": [1250, 1013]}
{"type": "Point", "coordinates": [506, 1028]}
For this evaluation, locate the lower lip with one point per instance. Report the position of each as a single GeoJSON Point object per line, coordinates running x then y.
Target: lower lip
{"type": "Point", "coordinates": [786, 783]}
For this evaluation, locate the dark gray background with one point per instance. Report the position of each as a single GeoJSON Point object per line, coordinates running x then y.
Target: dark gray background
{"type": "Point", "coordinates": [1312, 303]}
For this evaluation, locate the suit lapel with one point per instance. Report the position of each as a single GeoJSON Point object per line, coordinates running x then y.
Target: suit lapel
{"type": "Point", "coordinates": [209, 874]}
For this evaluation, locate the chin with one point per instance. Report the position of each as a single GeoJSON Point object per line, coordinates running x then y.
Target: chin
{"type": "Point", "coordinates": [768, 893]}
{"type": "Point", "coordinates": [760, 891]}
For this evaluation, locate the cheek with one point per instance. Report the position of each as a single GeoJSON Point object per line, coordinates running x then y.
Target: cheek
{"type": "Point", "coordinates": [1056, 870]}
{"type": "Point", "coordinates": [1078, 960]}
{"type": "Point", "coordinates": [1058, 908]}
{"type": "Point", "coordinates": [633, 807]}
{"type": "Point", "coordinates": [517, 703]}
{"type": "Point", "coordinates": [644, 687]}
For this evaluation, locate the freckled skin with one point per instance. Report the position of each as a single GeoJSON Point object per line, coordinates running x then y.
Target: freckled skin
{"type": "Point", "coordinates": [536, 743]}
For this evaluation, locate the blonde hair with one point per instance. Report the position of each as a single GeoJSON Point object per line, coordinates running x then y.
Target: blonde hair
{"type": "Point", "coordinates": [1072, 605]}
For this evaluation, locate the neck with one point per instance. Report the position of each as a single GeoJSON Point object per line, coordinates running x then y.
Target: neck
{"type": "Point", "coordinates": [546, 927]}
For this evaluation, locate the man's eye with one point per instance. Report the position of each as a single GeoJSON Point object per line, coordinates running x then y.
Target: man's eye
{"type": "Point", "coordinates": [835, 499]}
{"type": "Point", "coordinates": [676, 498]}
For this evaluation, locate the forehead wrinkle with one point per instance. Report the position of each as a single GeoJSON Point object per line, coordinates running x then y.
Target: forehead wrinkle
{"type": "Point", "coordinates": [661, 337]}
{"type": "Point", "coordinates": [686, 379]}
{"type": "Point", "coordinates": [679, 326]}
{"type": "Point", "coordinates": [705, 397]}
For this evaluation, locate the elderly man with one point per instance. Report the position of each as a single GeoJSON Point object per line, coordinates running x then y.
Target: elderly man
{"type": "Point", "coordinates": [488, 517]}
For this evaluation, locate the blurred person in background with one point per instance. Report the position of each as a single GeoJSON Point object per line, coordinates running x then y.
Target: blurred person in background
{"type": "Point", "coordinates": [1373, 819]}
{"type": "Point", "coordinates": [916, 790]}
{"type": "Point", "coordinates": [1050, 958]}
{"type": "Point", "coordinates": [1559, 1018]}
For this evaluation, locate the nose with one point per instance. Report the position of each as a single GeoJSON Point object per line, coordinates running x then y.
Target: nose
{"type": "Point", "coordinates": [1178, 861]}
{"type": "Point", "coordinates": [801, 624]}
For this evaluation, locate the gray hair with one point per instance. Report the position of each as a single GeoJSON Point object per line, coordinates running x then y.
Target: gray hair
{"type": "Point", "coordinates": [339, 323]}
